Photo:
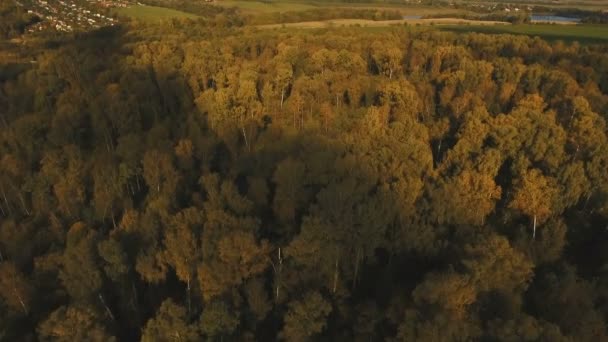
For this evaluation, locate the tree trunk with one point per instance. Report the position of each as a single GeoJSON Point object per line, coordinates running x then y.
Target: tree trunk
{"type": "Point", "coordinates": [106, 138]}
{"type": "Point", "coordinates": [279, 275]}
{"type": "Point", "coordinates": [134, 301]}
{"type": "Point", "coordinates": [137, 182]}
{"type": "Point", "coordinates": [113, 220]}
{"type": "Point", "coordinates": [335, 284]}
{"type": "Point", "coordinates": [189, 296]}
{"type": "Point", "coordinates": [245, 137]}
{"type": "Point", "coordinates": [356, 268]}
{"type": "Point", "coordinates": [105, 212]}
{"type": "Point", "coordinates": [103, 302]}
{"type": "Point", "coordinates": [23, 203]}
{"type": "Point", "coordinates": [8, 206]}
{"type": "Point", "coordinates": [534, 229]}
{"type": "Point", "coordinates": [3, 121]}
{"type": "Point", "coordinates": [282, 98]}
{"type": "Point", "coordinates": [20, 300]}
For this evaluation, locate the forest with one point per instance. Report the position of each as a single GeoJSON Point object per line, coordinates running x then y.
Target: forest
{"type": "Point", "coordinates": [207, 181]}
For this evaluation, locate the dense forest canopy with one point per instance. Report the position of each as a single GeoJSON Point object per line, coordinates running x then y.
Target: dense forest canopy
{"type": "Point", "coordinates": [196, 181]}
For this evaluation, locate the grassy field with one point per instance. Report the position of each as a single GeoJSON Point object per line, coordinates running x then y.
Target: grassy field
{"type": "Point", "coordinates": [151, 13]}
{"type": "Point", "coordinates": [252, 7]}
{"type": "Point", "coordinates": [259, 7]}
{"type": "Point", "coordinates": [586, 34]}
{"type": "Point", "coordinates": [379, 23]}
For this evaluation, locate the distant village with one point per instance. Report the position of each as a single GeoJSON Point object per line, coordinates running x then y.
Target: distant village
{"type": "Point", "coordinates": [71, 15]}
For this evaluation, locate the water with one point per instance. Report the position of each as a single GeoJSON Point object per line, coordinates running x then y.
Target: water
{"type": "Point", "coordinates": [412, 17]}
{"type": "Point", "coordinates": [555, 18]}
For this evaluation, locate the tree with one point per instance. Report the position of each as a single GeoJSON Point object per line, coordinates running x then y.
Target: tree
{"type": "Point", "coordinates": [239, 257]}
{"type": "Point", "coordinates": [182, 246]}
{"type": "Point", "coordinates": [387, 58]}
{"type": "Point", "coordinates": [159, 173]}
{"type": "Point", "coordinates": [448, 291]}
{"type": "Point", "coordinates": [306, 318]}
{"type": "Point", "coordinates": [80, 273]}
{"type": "Point", "coordinates": [494, 264]}
{"type": "Point", "coordinates": [290, 193]}
{"type": "Point", "coordinates": [69, 188]}
{"type": "Point", "coordinates": [14, 287]}
{"type": "Point", "coordinates": [170, 324]}
{"type": "Point", "coordinates": [534, 196]}
{"type": "Point", "coordinates": [73, 323]}
{"type": "Point", "coordinates": [467, 198]}
{"type": "Point", "coordinates": [563, 298]}
{"type": "Point", "coordinates": [257, 298]}
{"type": "Point", "coordinates": [217, 320]}
{"type": "Point", "coordinates": [402, 100]}
{"type": "Point", "coordinates": [283, 79]}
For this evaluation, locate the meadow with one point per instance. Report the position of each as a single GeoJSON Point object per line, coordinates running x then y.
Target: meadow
{"type": "Point", "coordinates": [152, 13]}
{"type": "Point", "coordinates": [380, 23]}
{"type": "Point", "coordinates": [264, 7]}
{"type": "Point", "coordinates": [252, 7]}
{"type": "Point", "coordinates": [586, 34]}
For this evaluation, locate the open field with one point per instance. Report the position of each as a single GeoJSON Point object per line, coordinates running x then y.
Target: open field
{"type": "Point", "coordinates": [586, 5]}
{"type": "Point", "coordinates": [259, 7]}
{"type": "Point", "coordinates": [581, 33]}
{"type": "Point", "coordinates": [380, 23]}
{"type": "Point", "coordinates": [152, 13]}
{"type": "Point", "coordinates": [266, 7]}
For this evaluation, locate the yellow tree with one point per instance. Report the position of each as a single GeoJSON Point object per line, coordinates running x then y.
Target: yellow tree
{"type": "Point", "coordinates": [388, 58]}
{"type": "Point", "coordinates": [534, 196]}
{"type": "Point", "coordinates": [468, 198]}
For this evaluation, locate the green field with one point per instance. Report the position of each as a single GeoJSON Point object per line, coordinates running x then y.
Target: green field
{"type": "Point", "coordinates": [259, 7]}
{"type": "Point", "coordinates": [587, 34]}
{"type": "Point", "coordinates": [151, 13]}
{"type": "Point", "coordinates": [266, 7]}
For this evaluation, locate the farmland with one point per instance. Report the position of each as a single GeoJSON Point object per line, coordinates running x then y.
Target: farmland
{"type": "Point", "coordinates": [264, 7]}
{"type": "Point", "coordinates": [251, 7]}
{"type": "Point", "coordinates": [581, 32]}
{"type": "Point", "coordinates": [380, 23]}
{"type": "Point", "coordinates": [152, 13]}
